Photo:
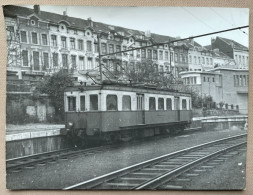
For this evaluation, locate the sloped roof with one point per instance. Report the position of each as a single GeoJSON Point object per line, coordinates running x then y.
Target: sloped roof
{"type": "Point", "coordinates": [220, 54]}
{"type": "Point", "coordinates": [234, 44]}
{"type": "Point", "coordinates": [11, 10]}
{"type": "Point", "coordinates": [209, 47]}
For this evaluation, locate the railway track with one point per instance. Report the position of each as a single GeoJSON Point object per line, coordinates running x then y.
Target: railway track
{"type": "Point", "coordinates": [29, 162]}
{"type": "Point", "coordinates": [158, 173]}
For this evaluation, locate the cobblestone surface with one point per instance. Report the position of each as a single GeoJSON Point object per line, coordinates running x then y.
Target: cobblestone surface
{"type": "Point", "coordinates": [65, 173]}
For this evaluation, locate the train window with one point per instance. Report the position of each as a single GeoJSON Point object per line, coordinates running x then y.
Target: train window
{"type": "Point", "coordinates": [71, 103]}
{"type": "Point", "coordinates": [169, 104]}
{"type": "Point", "coordinates": [126, 102]}
{"type": "Point", "coordinates": [152, 103]}
{"type": "Point", "coordinates": [160, 104]}
{"type": "Point", "coordinates": [184, 104]}
{"type": "Point", "coordinates": [111, 102]}
{"type": "Point", "coordinates": [82, 103]}
{"type": "Point", "coordinates": [140, 102]}
{"type": "Point", "coordinates": [93, 102]}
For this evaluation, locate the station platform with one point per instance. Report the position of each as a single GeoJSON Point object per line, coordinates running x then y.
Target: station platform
{"type": "Point", "coordinates": [33, 130]}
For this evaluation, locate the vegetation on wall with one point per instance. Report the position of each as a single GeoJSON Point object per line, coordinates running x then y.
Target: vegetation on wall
{"type": "Point", "coordinates": [54, 87]}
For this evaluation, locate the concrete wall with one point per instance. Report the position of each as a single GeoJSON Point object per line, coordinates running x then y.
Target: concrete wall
{"type": "Point", "coordinates": [24, 147]}
{"type": "Point", "coordinates": [24, 109]}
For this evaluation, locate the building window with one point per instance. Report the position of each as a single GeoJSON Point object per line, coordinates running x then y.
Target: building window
{"type": "Point", "coordinates": [160, 104]}
{"type": "Point", "coordinates": [171, 57]}
{"type": "Point", "coordinates": [176, 57]}
{"type": "Point", "coordinates": [80, 44]}
{"type": "Point", "coordinates": [89, 46]}
{"type": "Point", "coordinates": [36, 60]}
{"type": "Point", "coordinates": [111, 48]}
{"type": "Point", "coordinates": [203, 60]}
{"type": "Point", "coordinates": [45, 60]}
{"type": "Point", "coordinates": [143, 53]}
{"type": "Point", "coordinates": [64, 60]}
{"type": "Point", "coordinates": [160, 55]}
{"type": "Point", "coordinates": [169, 104]}
{"type": "Point", "coordinates": [10, 32]}
{"type": "Point", "coordinates": [63, 42]}
{"type": "Point", "coordinates": [211, 61]}
{"type": "Point", "coordinates": [213, 79]}
{"type": "Point", "coordinates": [103, 48]}
{"type": "Point", "coordinates": [81, 62]}
{"type": "Point", "coordinates": [126, 102]}
{"type": "Point", "coordinates": [190, 59]}
{"type": "Point", "coordinates": [118, 49]}
{"type": "Point", "coordinates": [96, 47]}
{"type": "Point", "coordinates": [199, 60]}
{"type": "Point", "coordinates": [25, 57]}
{"type": "Point", "coordinates": [124, 48]}
{"type": "Point", "coordinates": [138, 53]}
{"type": "Point", "coordinates": [73, 60]}
{"type": "Point", "coordinates": [72, 43]}
{"type": "Point", "coordinates": [111, 102]}
{"type": "Point", "coordinates": [54, 40]}
{"type": "Point", "coordinates": [89, 63]}
{"type": "Point", "coordinates": [55, 59]}
{"type": "Point", "coordinates": [71, 103]}
{"type": "Point", "coordinates": [155, 54]}
{"type": "Point", "coordinates": [34, 38]}
{"type": "Point", "coordinates": [207, 61]}
{"type": "Point", "coordinates": [180, 58]}
{"type": "Point", "coordinates": [82, 103]}
{"type": "Point", "coordinates": [23, 36]}
{"type": "Point", "coordinates": [152, 104]}
{"type": "Point", "coordinates": [166, 55]}
{"type": "Point", "coordinates": [44, 39]}
{"type": "Point", "coordinates": [93, 102]}
{"type": "Point", "coordinates": [204, 79]}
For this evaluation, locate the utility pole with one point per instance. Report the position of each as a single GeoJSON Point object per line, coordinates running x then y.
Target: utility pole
{"type": "Point", "coordinates": [100, 60]}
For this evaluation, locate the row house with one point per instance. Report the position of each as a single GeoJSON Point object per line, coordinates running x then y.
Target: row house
{"type": "Point", "coordinates": [50, 42]}
{"type": "Point", "coordinates": [233, 49]}
{"type": "Point", "coordinates": [200, 58]}
{"type": "Point", "coordinates": [180, 58]}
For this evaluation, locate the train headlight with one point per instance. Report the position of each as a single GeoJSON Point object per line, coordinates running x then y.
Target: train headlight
{"type": "Point", "coordinates": [70, 124]}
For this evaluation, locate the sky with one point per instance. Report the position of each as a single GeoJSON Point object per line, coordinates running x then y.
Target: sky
{"type": "Point", "coordinates": [180, 22]}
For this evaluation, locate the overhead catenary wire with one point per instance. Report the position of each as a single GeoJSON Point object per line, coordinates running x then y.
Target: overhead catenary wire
{"type": "Point", "coordinates": [198, 18]}
{"type": "Point", "coordinates": [226, 20]}
{"type": "Point", "coordinates": [174, 41]}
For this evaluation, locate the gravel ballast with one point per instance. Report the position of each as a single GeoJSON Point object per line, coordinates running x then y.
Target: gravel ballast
{"type": "Point", "coordinates": [65, 173]}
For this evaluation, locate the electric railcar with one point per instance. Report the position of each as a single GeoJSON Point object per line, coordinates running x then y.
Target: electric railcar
{"type": "Point", "coordinates": [116, 112]}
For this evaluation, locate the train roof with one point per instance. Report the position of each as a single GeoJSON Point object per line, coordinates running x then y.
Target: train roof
{"type": "Point", "coordinates": [119, 87]}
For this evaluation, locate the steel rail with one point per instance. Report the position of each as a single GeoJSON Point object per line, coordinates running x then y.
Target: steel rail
{"type": "Point", "coordinates": [112, 175]}
{"type": "Point", "coordinates": [43, 157]}
{"type": "Point", "coordinates": [162, 179]}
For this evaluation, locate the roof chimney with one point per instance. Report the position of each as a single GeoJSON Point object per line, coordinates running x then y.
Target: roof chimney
{"type": "Point", "coordinates": [65, 13]}
{"type": "Point", "coordinates": [90, 22]}
{"type": "Point", "coordinates": [148, 33]}
{"type": "Point", "coordinates": [36, 9]}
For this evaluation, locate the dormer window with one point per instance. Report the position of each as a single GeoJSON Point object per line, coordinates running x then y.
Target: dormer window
{"type": "Point", "coordinates": [88, 33]}
{"type": "Point", "coordinates": [131, 40]}
{"type": "Point", "coordinates": [33, 22]}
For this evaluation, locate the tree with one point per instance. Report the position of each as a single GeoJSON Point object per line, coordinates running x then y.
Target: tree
{"type": "Point", "coordinates": [54, 86]}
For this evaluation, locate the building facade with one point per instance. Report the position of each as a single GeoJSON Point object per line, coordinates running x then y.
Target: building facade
{"type": "Point", "coordinates": [234, 50]}
{"type": "Point", "coordinates": [226, 85]}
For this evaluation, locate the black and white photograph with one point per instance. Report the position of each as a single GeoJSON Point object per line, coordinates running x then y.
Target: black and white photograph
{"type": "Point", "coordinates": [126, 98]}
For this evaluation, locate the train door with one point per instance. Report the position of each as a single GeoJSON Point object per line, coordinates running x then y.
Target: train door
{"type": "Point", "coordinates": [177, 107]}
{"type": "Point", "coordinates": [140, 106]}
